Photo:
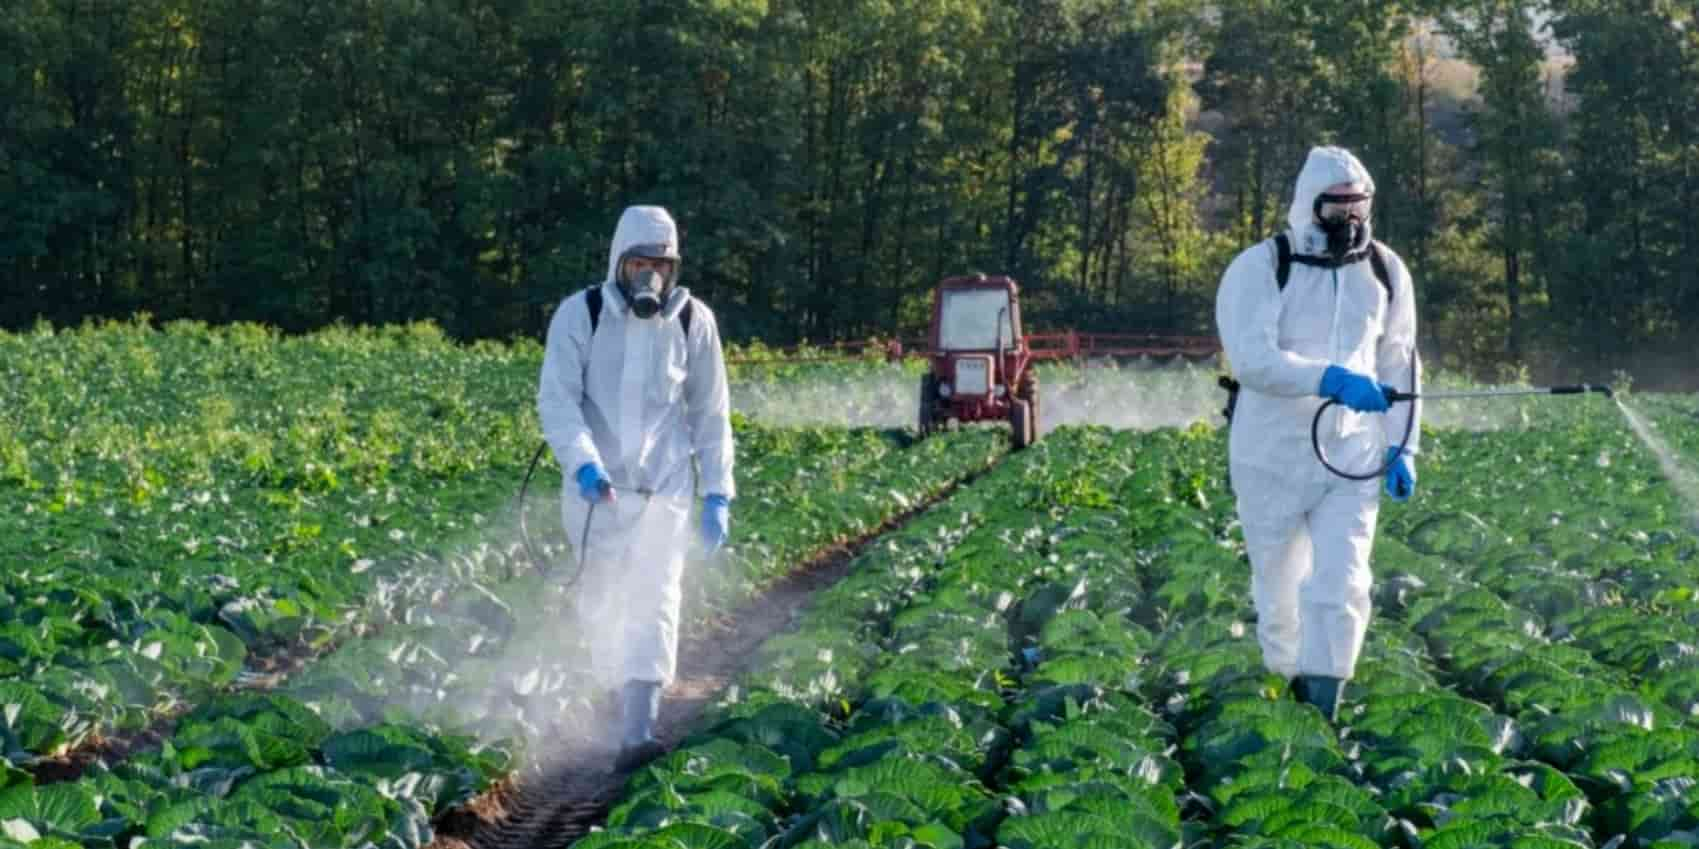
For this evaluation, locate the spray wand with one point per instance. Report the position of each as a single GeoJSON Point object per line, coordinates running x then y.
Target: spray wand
{"type": "Point", "coordinates": [1576, 389]}
{"type": "Point", "coordinates": [1394, 397]}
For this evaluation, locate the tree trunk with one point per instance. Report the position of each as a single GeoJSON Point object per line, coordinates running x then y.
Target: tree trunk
{"type": "Point", "coordinates": [1011, 225]}
{"type": "Point", "coordinates": [1088, 185]}
{"type": "Point", "coordinates": [1513, 297]}
{"type": "Point", "coordinates": [1259, 179]}
{"type": "Point", "coordinates": [904, 210]}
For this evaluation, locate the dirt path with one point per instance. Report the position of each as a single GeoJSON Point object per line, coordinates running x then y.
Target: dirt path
{"type": "Point", "coordinates": [551, 805]}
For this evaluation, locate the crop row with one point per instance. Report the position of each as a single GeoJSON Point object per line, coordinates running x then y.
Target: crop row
{"type": "Point", "coordinates": [1474, 722]}
{"type": "Point", "coordinates": [1512, 701]}
{"type": "Point", "coordinates": [177, 507]}
{"type": "Point", "coordinates": [929, 695]}
{"type": "Point", "coordinates": [184, 510]}
{"type": "Point", "coordinates": [1576, 619]}
{"type": "Point", "coordinates": [428, 711]}
{"type": "Point", "coordinates": [505, 660]}
{"type": "Point", "coordinates": [1525, 683]}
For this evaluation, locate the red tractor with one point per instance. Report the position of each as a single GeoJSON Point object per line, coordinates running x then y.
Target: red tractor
{"type": "Point", "coordinates": [981, 365]}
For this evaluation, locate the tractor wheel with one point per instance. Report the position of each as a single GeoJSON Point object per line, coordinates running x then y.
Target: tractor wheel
{"type": "Point", "coordinates": [1020, 423]}
{"type": "Point", "coordinates": [1027, 390]}
{"type": "Point", "coordinates": [928, 404]}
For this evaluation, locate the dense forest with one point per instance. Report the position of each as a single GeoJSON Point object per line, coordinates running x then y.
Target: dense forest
{"type": "Point", "coordinates": [302, 162]}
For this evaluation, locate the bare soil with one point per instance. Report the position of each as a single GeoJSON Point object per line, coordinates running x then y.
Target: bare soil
{"type": "Point", "coordinates": [70, 765]}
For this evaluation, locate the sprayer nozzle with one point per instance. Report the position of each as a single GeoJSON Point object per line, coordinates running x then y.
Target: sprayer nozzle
{"type": "Point", "coordinates": [1606, 390]}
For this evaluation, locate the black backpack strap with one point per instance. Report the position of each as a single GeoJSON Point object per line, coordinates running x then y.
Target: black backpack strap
{"type": "Point", "coordinates": [1377, 259]}
{"type": "Point", "coordinates": [593, 302]}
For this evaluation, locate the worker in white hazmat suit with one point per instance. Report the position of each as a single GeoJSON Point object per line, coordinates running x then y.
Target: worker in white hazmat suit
{"type": "Point", "coordinates": [1341, 325]}
{"type": "Point", "coordinates": [633, 401]}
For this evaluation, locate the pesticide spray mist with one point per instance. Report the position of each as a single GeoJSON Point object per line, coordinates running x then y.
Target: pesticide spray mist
{"type": "Point", "coordinates": [477, 640]}
{"type": "Point", "coordinates": [1139, 395]}
{"type": "Point", "coordinates": [467, 634]}
{"type": "Point", "coordinates": [1684, 482]}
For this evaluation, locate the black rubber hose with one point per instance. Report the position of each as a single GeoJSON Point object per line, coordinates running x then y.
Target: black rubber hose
{"type": "Point", "coordinates": [524, 529]}
{"type": "Point", "coordinates": [1409, 428]}
{"type": "Point", "coordinates": [583, 546]}
{"type": "Point", "coordinates": [538, 559]}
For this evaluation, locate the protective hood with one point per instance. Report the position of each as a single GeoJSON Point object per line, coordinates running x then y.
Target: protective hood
{"type": "Point", "coordinates": [1326, 166]}
{"type": "Point", "coordinates": [641, 225]}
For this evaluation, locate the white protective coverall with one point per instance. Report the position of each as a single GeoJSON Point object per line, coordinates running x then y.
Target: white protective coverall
{"type": "Point", "coordinates": [1309, 532]}
{"type": "Point", "coordinates": [642, 400]}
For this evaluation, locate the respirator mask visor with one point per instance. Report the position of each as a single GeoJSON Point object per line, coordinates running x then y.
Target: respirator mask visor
{"type": "Point", "coordinates": [1343, 207]}
{"type": "Point", "coordinates": [1344, 219]}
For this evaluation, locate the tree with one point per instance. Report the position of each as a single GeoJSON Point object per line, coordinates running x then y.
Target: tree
{"type": "Point", "coordinates": [1263, 77]}
{"type": "Point", "coordinates": [1517, 145]}
{"type": "Point", "coordinates": [1625, 273]}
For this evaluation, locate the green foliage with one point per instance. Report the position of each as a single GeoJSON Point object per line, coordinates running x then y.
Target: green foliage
{"type": "Point", "coordinates": [1504, 698]}
{"type": "Point", "coordinates": [1062, 653]}
{"type": "Point", "coordinates": [1533, 160]}
{"type": "Point", "coordinates": [828, 164]}
{"type": "Point", "coordinates": [447, 649]}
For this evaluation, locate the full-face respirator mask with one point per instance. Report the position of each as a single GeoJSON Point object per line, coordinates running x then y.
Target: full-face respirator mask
{"type": "Point", "coordinates": [1344, 219]}
{"type": "Point", "coordinates": [647, 290]}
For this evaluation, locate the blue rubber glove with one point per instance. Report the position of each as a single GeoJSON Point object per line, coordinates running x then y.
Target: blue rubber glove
{"type": "Point", "coordinates": [716, 521]}
{"type": "Point", "coordinates": [593, 483]}
{"type": "Point", "coordinates": [1400, 478]}
{"type": "Point", "coordinates": [1354, 390]}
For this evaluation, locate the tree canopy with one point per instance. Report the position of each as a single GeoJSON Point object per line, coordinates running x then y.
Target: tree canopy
{"type": "Point", "coordinates": [371, 161]}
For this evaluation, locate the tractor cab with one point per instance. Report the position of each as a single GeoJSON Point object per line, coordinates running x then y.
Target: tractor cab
{"type": "Point", "coordinates": [980, 365]}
